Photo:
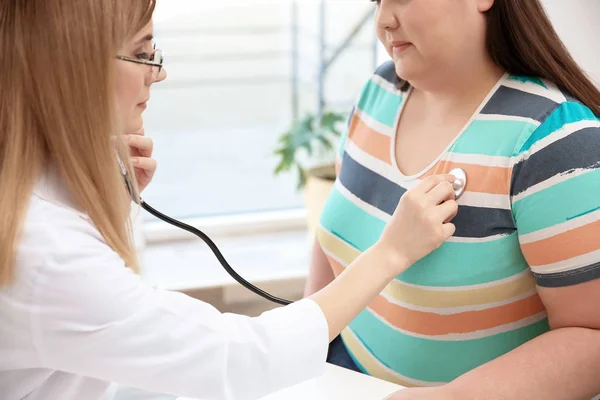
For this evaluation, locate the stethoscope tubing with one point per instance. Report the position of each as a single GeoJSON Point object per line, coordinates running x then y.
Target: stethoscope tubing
{"type": "Point", "coordinates": [459, 189]}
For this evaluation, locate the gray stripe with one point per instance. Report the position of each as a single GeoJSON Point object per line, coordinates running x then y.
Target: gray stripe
{"type": "Point", "coordinates": [516, 103]}
{"type": "Point", "coordinates": [383, 194]}
{"type": "Point", "coordinates": [569, 278]}
{"type": "Point", "coordinates": [387, 71]}
{"type": "Point", "coordinates": [579, 150]}
{"type": "Point", "coordinates": [369, 186]}
{"type": "Point", "coordinates": [480, 222]}
{"type": "Point", "coordinates": [571, 99]}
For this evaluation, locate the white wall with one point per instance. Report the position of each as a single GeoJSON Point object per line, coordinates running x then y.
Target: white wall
{"type": "Point", "coordinates": [576, 21]}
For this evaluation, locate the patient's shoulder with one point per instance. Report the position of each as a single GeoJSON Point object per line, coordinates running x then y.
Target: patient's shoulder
{"type": "Point", "coordinates": [387, 72]}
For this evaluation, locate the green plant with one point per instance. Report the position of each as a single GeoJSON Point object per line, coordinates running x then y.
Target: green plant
{"type": "Point", "coordinates": [306, 136]}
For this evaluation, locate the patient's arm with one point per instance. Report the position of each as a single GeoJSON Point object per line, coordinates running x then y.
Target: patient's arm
{"type": "Point", "coordinates": [320, 274]}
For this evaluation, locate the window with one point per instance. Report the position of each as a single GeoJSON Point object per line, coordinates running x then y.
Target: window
{"type": "Point", "coordinates": [230, 93]}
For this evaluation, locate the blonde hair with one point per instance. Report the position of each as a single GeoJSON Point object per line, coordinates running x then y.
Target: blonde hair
{"type": "Point", "coordinates": [57, 105]}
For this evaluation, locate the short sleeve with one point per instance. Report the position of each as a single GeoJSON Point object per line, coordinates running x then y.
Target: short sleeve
{"type": "Point", "coordinates": [555, 194]}
{"type": "Point", "coordinates": [385, 74]}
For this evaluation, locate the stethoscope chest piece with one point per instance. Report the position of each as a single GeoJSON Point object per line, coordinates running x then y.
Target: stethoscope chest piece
{"type": "Point", "coordinates": [460, 183]}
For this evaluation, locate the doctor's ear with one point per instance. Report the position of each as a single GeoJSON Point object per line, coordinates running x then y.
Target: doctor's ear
{"type": "Point", "coordinates": [484, 5]}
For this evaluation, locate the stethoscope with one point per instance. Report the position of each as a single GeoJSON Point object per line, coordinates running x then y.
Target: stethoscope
{"type": "Point", "coordinates": [459, 186]}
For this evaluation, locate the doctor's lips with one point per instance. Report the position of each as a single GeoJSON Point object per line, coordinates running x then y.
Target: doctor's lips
{"type": "Point", "coordinates": [399, 46]}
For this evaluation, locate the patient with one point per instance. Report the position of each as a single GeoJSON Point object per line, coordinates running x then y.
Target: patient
{"type": "Point", "coordinates": [488, 87]}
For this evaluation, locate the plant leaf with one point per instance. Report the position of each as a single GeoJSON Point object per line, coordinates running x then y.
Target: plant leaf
{"type": "Point", "coordinates": [301, 178]}
{"type": "Point", "coordinates": [304, 133]}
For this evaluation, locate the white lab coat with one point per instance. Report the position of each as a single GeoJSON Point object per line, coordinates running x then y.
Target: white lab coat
{"type": "Point", "coordinates": [76, 321]}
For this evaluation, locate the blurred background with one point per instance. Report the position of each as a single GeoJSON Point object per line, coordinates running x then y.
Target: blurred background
{"type": "Point", "coordinates": [248, 81]}
{"type": "Point", "coordinates": [240, 72]}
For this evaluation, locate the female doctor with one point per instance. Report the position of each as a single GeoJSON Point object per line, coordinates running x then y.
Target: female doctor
{"type": "Point", "coordinates": [74, 316]}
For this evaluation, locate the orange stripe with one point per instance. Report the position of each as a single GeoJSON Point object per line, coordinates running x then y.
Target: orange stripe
{"type": "Point", "coordinates": [482, 179]}
{"type": "Point", "coordinates": [564, 246]}
{"type": "Point", "coordinates": [369, 140]}
{"type": "Point", "coordinates": [426, 323]}
{"type": "Point", "coordinates": [471, 321]}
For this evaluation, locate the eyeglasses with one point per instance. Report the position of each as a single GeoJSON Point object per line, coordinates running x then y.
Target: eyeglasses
{"type": "Point", "coordinates": [155, 61]}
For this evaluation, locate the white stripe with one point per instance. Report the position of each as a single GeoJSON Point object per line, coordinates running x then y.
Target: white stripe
{"type": "Point", "coordinates": [470, 287]}
{"type": "Point", "coordinates": [560, 228]}
{"type": "Point", "coordinates": [556, 92]}
{"type": "Point", "coordinates": [557, 135]}
{"type": "Point", "coordinates": [568, 265]}
{"type": "Point", "coordinates": [485, 200]}
{"type": "Point", "coordinates": [548, 183]}
{"type": "Point", "coordinates": [389, 172]}
{"type": "Point", "coordinates": [529, 87]}
{"type": "Point", "coordinates": [488, 239]}
{"type": "Point", "coordinates": [406, 379]}
{"type": "Point", "coordinates": [373, 123]}
{"type": "Point", "coordinates": [479, 159]}
{"type": "Point", "coordinates": [366, 207]}
{"type": "Point", "coordinates": [501, 117]}
{"type": "Point", "coordinates": [455, 337]}
{"type": "Point", "coordinates": [368, 161]}
{"type": "Point", "coordinates": [461, 309]}
{"type": "Point", "coordinates": [390, 87]}
{"type": "Point", "coordinates": [379, 167]}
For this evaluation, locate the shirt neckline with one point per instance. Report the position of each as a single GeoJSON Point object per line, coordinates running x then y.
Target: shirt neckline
{"type": "Point", "coordinates": [442, 154]}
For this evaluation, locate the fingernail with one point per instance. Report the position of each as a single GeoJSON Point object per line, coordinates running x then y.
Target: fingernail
{"type": "Point", "coordinates": [135, 161]}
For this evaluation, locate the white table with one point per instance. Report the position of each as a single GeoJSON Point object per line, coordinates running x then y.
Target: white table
{"type": "Point", "coordinates": [338, 383]}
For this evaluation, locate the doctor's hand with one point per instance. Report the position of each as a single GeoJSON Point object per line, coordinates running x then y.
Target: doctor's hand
{"type": "Point", "coordinates": [420, 223]}
{"type": "Point", "coordinates": [141, 148]}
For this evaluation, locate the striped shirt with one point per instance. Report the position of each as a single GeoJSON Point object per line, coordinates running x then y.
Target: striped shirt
{"type": "Point", "coordinates": [530, 214]}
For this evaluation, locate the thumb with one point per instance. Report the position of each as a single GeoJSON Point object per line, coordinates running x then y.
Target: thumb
{"type": "Point", "coordinates": [449, 230]}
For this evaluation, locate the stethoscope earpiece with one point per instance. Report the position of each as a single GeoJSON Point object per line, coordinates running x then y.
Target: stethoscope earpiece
{"type": "Point", "coordinates": [460, 183]}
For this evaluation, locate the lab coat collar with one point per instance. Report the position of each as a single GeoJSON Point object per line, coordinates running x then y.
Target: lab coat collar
{"type": "Point", "coordinates": [52, 188]}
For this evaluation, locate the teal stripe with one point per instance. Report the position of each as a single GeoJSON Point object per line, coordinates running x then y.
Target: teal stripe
{"type": "Point", "coordinates": [380, 104]}
{"type": "Point", "coordinates": [492, 138]}
{"type": "Point", "coordinates": [433, 360]}
{"type": "Point", "coordinates": [566, 113]}
{"type": "Point", "coordinates": [347, 221]}
{"type": "Point", "coordinates": [464, 264]}
{"type": "Point", "coordinates": [559, 203]}
{"type": "Point", "coordinates": [585, 213]}
{"type": "Point", "coordinates": [528, 79]}
{"type": "Point", "coordinates": [453, 264]}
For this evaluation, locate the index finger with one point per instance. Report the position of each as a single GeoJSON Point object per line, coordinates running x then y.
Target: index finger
{"type": "Point", "coordinates": [143, 144]}
{"type": "Point", "coordinates": [429, 183]}
{"type": "Point", "coordinates": [141, 132]}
